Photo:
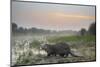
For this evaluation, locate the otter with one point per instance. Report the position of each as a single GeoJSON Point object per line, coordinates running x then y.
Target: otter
{"type": "Point", "coordinates": [61, 49]}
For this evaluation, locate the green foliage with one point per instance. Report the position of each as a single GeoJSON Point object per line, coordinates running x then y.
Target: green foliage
{"type": "Point", "coordinates": [86, 38]}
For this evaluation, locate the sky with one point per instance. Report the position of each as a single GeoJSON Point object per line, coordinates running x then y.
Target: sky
{"type": "Point", "coordinates": [52, 16]}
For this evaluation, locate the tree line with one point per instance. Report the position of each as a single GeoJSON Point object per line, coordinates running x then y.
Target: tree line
{"type": "Point", "coordinates": [15, 29]}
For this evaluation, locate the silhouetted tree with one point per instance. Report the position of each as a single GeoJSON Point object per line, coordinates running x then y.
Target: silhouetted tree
{"type": "Point", "coordinates": [83, 31]}
{"type": "Point", "coordinates": [14, 27]}
{"type": "Point", "coordinates": [92, 29]}
{"type": "Point", "coordinates": [21, 30]}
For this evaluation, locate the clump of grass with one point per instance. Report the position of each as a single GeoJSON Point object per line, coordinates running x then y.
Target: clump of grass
{"type": "Point", "coordinates": [35, 44]}
{"type": "Point", "coordinates": [25, 58]}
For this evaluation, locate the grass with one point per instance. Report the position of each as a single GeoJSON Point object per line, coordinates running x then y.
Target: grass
{"type": "Point", "coordinates": [86, 38]}
{"type": "Point", "coordinates": [83, 44]}
{"type": "Point", "coordinates": [35, 44]}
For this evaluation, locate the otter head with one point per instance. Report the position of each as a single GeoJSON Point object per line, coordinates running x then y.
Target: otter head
{"type": "Point", "coordinates": [44, 47]}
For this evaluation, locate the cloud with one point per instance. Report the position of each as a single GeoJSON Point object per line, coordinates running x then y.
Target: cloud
{"type": "Point", "coordinates": [72, 16]}
{"type": "Point", "coordinates": [53, 17]}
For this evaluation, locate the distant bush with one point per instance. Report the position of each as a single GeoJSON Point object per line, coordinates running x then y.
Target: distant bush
{"type": "Point", "coordinates": [83, 31]}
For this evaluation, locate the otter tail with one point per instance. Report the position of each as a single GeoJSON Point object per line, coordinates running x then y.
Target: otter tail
{"type": "Point", "coordinates": [74, 55]}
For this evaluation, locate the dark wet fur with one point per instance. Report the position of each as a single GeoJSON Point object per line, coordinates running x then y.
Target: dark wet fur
{"type": "Point", "coordinates": [61, 49]}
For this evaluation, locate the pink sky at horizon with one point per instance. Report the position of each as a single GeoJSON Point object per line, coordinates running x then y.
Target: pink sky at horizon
{"type": "Point", "coordinates": [53, 19]}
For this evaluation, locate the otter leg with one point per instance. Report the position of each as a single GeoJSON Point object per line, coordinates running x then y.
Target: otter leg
{"type": "Point", "coordinates": [62, 55]}
{"type": "Point", "coordinates": [66, 55]}
{"type": "Point", "coordinates": [49, 54]}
